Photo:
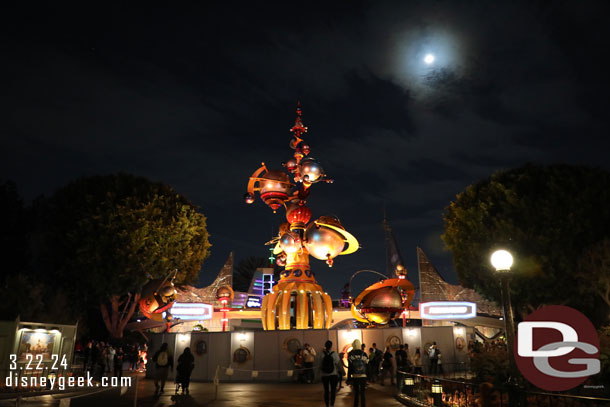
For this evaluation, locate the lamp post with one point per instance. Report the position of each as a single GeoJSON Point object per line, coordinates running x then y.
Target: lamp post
{"type": "Point", "coordinates": [502, 260]}
{"type": "Point", "coordinates": [437, 393]}
{"type": "Point", "coordinates": [408, 386]}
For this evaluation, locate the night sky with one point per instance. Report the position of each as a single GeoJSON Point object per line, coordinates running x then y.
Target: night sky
{"type": "Point", "coordinates": [198, 96]}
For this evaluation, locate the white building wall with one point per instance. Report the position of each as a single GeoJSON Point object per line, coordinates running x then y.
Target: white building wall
{"type": "Point", "coordinates": [270, 358]}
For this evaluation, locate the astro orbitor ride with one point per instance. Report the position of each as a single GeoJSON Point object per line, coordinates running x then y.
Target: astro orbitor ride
{"type": "Point", "coordinates": [297, 300]}
{"type": "Point", "coordinates": [383, 301]}
{"type": "Point", "coordinates": [157, 298]}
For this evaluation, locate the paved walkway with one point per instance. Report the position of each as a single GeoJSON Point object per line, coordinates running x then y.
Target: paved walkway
{"type": "Point", "coordinates": [229, 394]}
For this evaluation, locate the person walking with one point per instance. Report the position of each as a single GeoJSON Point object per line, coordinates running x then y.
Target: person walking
{"type": "Point", "coordinates": [401, 358]}
{"type": "Point", "coordinates": [439, 361]}
{"type": "Point", "coordinates": [409, 358]}
{"type": "Point", "coordinates": [329, 371]}
{"type": "Point", "coordinates": [186, 364]}
{"type": "Point", "coordinates": [387, 368]}
{"type": "Point", "coordinates": [417, 364]}
{"type": "Point", "coordinates": [378, 360]}
{"type": "Point", "coordinates": [309, 357]}
{"type": "Point", "coordinates": [99, 365]}
{"type": "Point", "coordinates": [110, 352]}
{"type": "Point", "coordinates": [163, 363]}
{"type": "Point", "coordinates": [371, 368]}
{"type": "Point", "coordinates": [104, 355]}
{"type": "Point", "coordinates": [87, 352]}
{"type": "Point", "coordinates": [402, 367]}
{"type": "Point", "coordinates": [133, 357]}
{"type": "Point", "coordinates": [119, 357]}
{"type": "Point", "coordinates": [297, 359]}
{"type": "Point", "coordinates": [356, 372]}
{"type": "Point", "coordinates": [342, 371]}
{"type": "Point", "coordinates": [432, 357]}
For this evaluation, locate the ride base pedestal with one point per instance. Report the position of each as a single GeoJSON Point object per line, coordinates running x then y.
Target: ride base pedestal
{"type": "Point", "coordinates": [297, 300]}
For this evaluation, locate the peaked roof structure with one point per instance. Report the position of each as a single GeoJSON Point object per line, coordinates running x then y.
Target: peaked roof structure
{"type": "Point", "coordinates": [394, 262]}
{"type": "Point", "coordinates": [208, 294]}
{"type": "Point", "coordinates": [432, 287]}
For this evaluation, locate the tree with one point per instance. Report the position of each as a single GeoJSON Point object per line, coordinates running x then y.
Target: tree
{"type": "Point", "coordinates": [594, 267]}
{"type": "Point", "coordinates": [107, 235]}
{"type": "Point", "coordinates": [546, 215]}
{"type": "Point", "coordinates": [14, 231]}
{"type": "Point", "coordinates": [604, 356]}
{"type": "Point", "coordinates": [34, 300]}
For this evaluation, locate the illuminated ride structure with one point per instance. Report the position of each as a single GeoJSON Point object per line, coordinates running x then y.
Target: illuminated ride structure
{"type": "Point", "coordinates": [383, 301]}
{"type": "Point", "coordinates": [158, 296]}
{"type": "Point", "coordinates": [297, 300]}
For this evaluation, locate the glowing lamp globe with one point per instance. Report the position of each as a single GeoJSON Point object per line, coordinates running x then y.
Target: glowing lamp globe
{"type": "Point", "coordinates": [249, 198]}
{"type": "Point", "coordinates": [281, 260]}
{"type": "Point", "coordinates": [274, 188]}
{"type": "Point", "coordinates": [311, 170]}
{"type": "Point", "coordinates": [501, 260]}
{"type": "Point", "coordinates": [291, 165]}
{"type": "Point", "coordinates": [290, 242]}
{"type": "Point", "coordinates": [224, 295]}
{"type": "Point", "coordinates": [437, 387]}
{"type": "Point", "coordinates": [324, 243]}
{"type": "Point", "coordinates": [298, 214]}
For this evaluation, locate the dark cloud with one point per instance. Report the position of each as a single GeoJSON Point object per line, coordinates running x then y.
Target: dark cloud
{"type": "Point", "coordinates": [198, 95]}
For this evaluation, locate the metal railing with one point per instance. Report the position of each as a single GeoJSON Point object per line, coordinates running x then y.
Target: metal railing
{"type": "Point", "coordinates": [421, 390]}
{"type": "Point", "coordinates": [455, 370]}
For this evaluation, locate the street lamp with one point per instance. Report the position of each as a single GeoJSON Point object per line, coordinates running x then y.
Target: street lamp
{"type": "Point", "coordinates": [502, 260]}
{"type": "Point", "coordinates": [408, 386]}
{"type": "Point", "coordinates": [437, 393]}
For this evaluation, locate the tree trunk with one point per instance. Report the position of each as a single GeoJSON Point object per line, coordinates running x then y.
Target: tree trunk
{"type": "Point", "coordinates": [116, 319]}
{"type": "Point", "coordinates": [605, 294]}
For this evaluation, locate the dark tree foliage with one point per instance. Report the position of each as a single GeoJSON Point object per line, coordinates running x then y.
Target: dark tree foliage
{"type": "Point", "coordinates": [106, 235]}
{"type": "Point", "coordinates": [547, 216]}
{"type": "Point", "coordinates": [603, 377]}
{"type": "Point", "coordinates": [594, 267]}
{"type": "Point", "coordinates": [25, 295]}
{"type": "Point", "coordinates": [14, 231]}
{"type": "Point", "coordinates": [29, 299]}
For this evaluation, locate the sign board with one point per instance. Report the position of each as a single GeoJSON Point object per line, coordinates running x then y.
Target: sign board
{"type": "Point", "coordinates": [447, 310]}
{"type": "Point", "coordinates": [192, 311]}
{"type": "Point", "coordinates": [253, 302]}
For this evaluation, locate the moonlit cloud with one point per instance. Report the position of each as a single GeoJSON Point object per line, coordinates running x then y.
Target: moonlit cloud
{"type": "Point", "coordinates": [198, 97]}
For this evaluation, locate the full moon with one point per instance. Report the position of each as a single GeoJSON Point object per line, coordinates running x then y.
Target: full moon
{"type": "Point", "coordinates": [429, 59]}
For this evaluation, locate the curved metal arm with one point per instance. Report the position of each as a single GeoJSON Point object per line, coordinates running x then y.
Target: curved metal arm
{"type": "Point", "coordinates": [349, 285]}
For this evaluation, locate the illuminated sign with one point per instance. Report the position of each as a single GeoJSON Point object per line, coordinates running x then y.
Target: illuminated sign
{"type": "Point", "coordinates": [253, 302]}
{"type": "Point", "coordinates": [192, 311]}
{"type": "Point", "coordinates": [447, 310]}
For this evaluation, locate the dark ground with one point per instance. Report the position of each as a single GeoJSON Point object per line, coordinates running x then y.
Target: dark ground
{"type": "Point", "coordinates": [229, 394]}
